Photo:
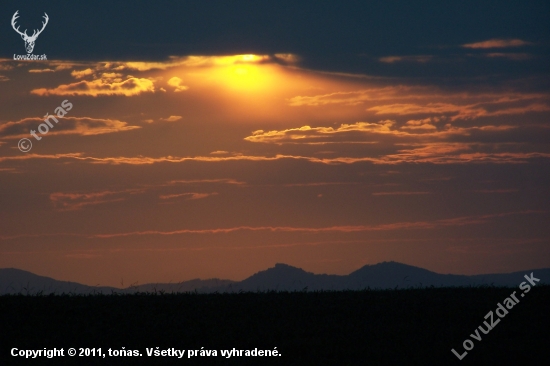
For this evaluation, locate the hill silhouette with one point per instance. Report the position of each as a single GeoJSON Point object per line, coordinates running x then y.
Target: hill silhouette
{"type": "Point", "coordinates": [281, 277]}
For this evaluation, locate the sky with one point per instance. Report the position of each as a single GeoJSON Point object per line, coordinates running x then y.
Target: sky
{"type": "Point", "coordinates": [174, 140]}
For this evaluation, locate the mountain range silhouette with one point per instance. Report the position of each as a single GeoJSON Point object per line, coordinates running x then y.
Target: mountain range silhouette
{"type": "Point", "coordinates": [282, 277]}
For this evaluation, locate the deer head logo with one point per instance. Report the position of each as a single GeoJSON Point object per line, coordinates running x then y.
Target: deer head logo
{"type": "Point", "coordinates": [29, 41]}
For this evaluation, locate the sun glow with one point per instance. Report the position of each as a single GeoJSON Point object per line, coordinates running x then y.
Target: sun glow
{"type": "Point", "coordinates": [249, 73]}
{"type": "Point", "coordinates": [246, 77]}
{"type": "Point", "coordinates": [261, 85]}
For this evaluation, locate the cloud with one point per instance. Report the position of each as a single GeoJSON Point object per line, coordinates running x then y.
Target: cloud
{"type": "Point", "coordinates": [510, 56]}
{"type": "Point", "coordinates": [356, 97]}
{"type": "Point", "coordinates": [430, 101]}
{"type": "Point", "coordinates": [82, 255]}
{"type": "Point", "coordinates": [407, 225]}
{"type": "Point", "coordinates": [171, 118]}
{"type": "Point", "coordinates": [189, 195]}
{"type": "Point", "coordinates": [83, 126]}
{"type": "Point", "coordinates": [497, 43]}
{"type": "Point", "coordinates": [79, 74]}
{"type": "Point", "coordinates": [393, 59]}
{"type": "Point", "coordinates": [111, 75]}
{"type": "Point", "coordinates": [369, 133]}
{"type": "Point", "coordinates": [199, 61]}
{"type": "Point", "coordinates": [202, 181]}
{"type": "Point", "coordinates": [496, 190]}
{"type": "Point", "coordinates": [5, 67]}
{"type": "Point", "coordinates": [421, 124]}
{"type": "Point", "coordinates": [287, 58]}
{"type": "Point", "coordinates": [305, 133]}
{"type": "Point", "coordinates": [399, 193]}
{"type": "Point", "coordinates": [3, 78]}
{"type": "Point", "coordinates": [76, 201]}
{"type": "Point", "coordinates": [458, 153]}
{"type": "Point", "coordinates": [129, 87]}
{"type": "Point", "coordinates": [457, 111]}
{"type": "Point", "coordinates": [432, 153]}
{"type": "Point", "coordinates": [38, 71]}
{"type": "Point", "coordinates": [176, 83]}
{"type": "Point", "coordinates": [320, 184]}
{"type": "Point", "coordinates": [70, 201]}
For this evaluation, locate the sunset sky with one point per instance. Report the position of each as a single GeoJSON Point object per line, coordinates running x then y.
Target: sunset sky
{"type": "Point", "coordinates": [215, 139]}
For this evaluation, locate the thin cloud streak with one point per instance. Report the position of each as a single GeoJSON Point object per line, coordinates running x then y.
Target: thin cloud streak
{"type": "Point", "coordinates": [400, 193]}
{"type": "Point", "coordinates": [436, 153]}
{"type": "Point", "coordinates": [497, 43]}
{"type": "Point", "coordinates": [83, 126]}
{"type": "Point", "coordinates": [76, 201]}
{"type": "Point", "coordinates": [458, 221]}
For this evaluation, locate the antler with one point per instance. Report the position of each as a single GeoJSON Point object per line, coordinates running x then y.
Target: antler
{"type": "Point", "coordinates": [35, 35]}
{"type": "Point", "coordinates": [24, 34]}
{"type": "Point", "coordinates": [43, 24]}
{"type": "Point", "coordinates": [15, 16]}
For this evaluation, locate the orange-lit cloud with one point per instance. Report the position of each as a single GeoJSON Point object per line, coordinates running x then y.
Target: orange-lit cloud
{"type": "Point", "coordinates": [458, 153]}
{"type": "Point", "coordinates": [76, 201]}
{"type": "Point", "coordinates": [434, 153]}
{"type": "Point", "coordinates": [176, 82]}
{"type": "Point", "coordinates": [188, 195]}
{"type": "Point", "coordinates": [457, 221]}
{"type": "Point", "coordinates": [422, 124]}
{"type": "Point", "coordinates": [457, 111]}
{"type": "Point", "coordinates": [66, 126]}
{"type": "Point", "coordinates": [498, 43]}
{"type": "Point", "coordinates": [416, 129]}
{"type": "Point", "coordinates": [356, 97]}
{"type": "Point", "coordinates": [196, 61]}
{"type": "Point", "coordinates": [129, 87]}
{"type": "Point", "coordinates": [401, 100]}
{"type": "Point", "coordinates": [240, 72]}
{"type": "Point", "coordinates": [79, 74]}
{"type": "Point", "coordinates": [305, 132]}
{"type": "Point", "coordinates": [171, 118]}
{"type": "Point", "coordinates": [171, 63]}
{"type": "Point", "coordinates": [39, 71]}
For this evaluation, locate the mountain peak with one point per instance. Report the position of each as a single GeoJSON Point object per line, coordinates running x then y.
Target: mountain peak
{"type": "Point", "coordinates": [283, 266]}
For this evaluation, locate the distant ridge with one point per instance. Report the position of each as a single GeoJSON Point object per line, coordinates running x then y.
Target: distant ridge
{"type": "Point", "coordinates": [14, 281]}
{"type": "Point", "coordinates": [281, 277]}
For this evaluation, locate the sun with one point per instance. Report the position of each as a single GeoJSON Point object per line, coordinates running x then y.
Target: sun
{"type": "Point", "coordinates": [245, 73]}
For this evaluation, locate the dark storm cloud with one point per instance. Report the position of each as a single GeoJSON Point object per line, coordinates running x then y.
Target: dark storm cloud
{"type": "Point", "coordinates": [350, 36]}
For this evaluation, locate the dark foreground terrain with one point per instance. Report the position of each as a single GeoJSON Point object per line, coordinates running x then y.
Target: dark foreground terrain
{"type": "Point", "coordinates": [390, 327]}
